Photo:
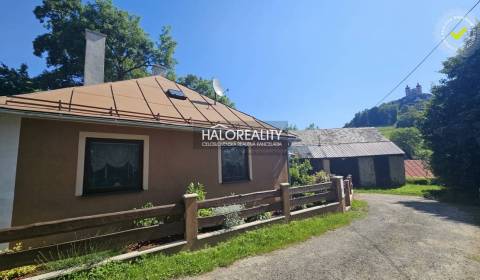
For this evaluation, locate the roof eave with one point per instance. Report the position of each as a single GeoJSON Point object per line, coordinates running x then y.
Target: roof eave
{"type": "Point", "coordinates": [100, 120]}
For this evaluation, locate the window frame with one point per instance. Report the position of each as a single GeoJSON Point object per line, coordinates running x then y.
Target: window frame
{"type": "Point", "coordinates": [249, 166]}
{"type": "Point", "coordinates": [80, 189]}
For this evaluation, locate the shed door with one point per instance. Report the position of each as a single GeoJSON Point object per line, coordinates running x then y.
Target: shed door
{"type": "Point", "coordinates": [382, 171]}
{"type": "Point", "coordinates": [345, 167]}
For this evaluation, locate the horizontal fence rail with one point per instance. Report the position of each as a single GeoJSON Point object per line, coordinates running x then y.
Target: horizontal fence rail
{"type": "Point", "coordinates": [238, 199]}
{"type": "Point", "coordinates": [218, 220]}
{"type": "Point", "coordinates": [89, 245]}
{"type": "Point", "coordinates": [322, 187]}
{"type": "Point", "coordinates": [310, 199]}
{"type": "Point", "coordinates": [175, 221]}
{"type": "Point", "coordinates": [86, 222]}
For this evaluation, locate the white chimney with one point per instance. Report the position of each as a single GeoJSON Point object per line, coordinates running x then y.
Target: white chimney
{"type": "Point", "coordinates": [159, 70]}
{"type": "Point", "coordinates": [94, 58]}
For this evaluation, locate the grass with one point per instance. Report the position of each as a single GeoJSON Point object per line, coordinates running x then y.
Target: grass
{"type": "Point", "coordinates": [408, 189]}
{"type": "Point", "coordinates": [77, 259]}
{"type": "Point", "coordinates": [251, 243]}
{"type": "Point", "coordinates": [72, 258]}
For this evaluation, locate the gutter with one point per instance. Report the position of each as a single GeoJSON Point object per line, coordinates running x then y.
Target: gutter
{"type": "Point", "coordinates": [96, 120]}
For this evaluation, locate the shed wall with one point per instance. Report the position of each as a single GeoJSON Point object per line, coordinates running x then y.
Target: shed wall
{"type": "Point", "coordinates": [397, 170]}
{"type": "Point", "coordinates": [366, 170]}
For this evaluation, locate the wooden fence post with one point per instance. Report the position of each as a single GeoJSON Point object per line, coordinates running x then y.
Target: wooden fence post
{"type": "Point", "coordinates": [346, 190]}
{"type": "Point", "coordinates": [191, 219]}
{"type": "Point", "coordinates": [337, 182]}
{"type": "Point", "coordinates": [285, 187]}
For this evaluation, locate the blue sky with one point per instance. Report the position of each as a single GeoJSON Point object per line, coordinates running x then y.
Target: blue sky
{"type": "Point", "coordinates": [296, 61]}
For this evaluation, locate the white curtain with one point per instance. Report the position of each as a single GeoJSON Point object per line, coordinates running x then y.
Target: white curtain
{"type": "Point", "coordinates": [114, 154]}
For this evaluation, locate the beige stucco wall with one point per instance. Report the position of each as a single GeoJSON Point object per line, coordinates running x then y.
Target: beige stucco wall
{"type": "Point", "coordinates": [366, 170]}
{"type": "Point", "coordinates": [47, 164]}
{"type": "Point", "coordinates": [397, 170]}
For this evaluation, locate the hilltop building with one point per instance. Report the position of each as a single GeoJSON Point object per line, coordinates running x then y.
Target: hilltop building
{"type": "Point", "coordinates": [413, 91]}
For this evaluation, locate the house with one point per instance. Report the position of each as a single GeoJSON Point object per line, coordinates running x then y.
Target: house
{"type": "Point", "coordinates": [114, 146]}
{"type": "Point", "coordinates": [364, 153]}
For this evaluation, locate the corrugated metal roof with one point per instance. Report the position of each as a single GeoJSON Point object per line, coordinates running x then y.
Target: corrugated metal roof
{"type": "Point", "coordinates": [336, 136]}
{"type": "Point", "coordinates": [416, 168]}
{"type": "Point", "coordinates": [140, 100]}
{"type": "Point", "coordinates": [347, 150]}
{"type": "Point", "coordinates": [342, 143]}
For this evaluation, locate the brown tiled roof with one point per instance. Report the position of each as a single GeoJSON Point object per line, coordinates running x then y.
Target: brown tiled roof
{"type": "Point", "coordinates": [416, 168]}
{"type": "Point", "coordinates": [140, 100]}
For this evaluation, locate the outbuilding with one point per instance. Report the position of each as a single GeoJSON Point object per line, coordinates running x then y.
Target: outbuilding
{"type": "Point", "coordinates": [364, 153]}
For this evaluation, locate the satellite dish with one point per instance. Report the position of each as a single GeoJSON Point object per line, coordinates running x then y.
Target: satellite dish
{"type": "Point", "coordinates": [217, 87]}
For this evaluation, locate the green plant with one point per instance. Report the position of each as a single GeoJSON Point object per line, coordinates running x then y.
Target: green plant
{"type": "Point", "coordinates": [231, 214]}
{"type": "Point", "coordinates": [74, 257]}
{"type": "Point", "coordinates": [420, 181]}
{"type": "Point", "coordinates": [321, 177]}
{"type": "Point", "coordinates": [300, 172]}
{"type": "Point", "coordinates": [199, 189]}
{"type": "Point", "coordinates": [16, 248]}
{"type": "Point", "coordinates": [18, 272]}
{"type": "Point", "coordinates": [410, 140]}
{"type": "Point", "coordinates": [147, 221]}
{"type": "Point", "coordinates": [259, 217]}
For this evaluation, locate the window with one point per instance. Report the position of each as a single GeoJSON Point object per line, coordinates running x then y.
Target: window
{"type": "Point", "coordinates": [176, 94]}
{"type": "Point", "coordinates": [235, 164]}
{"type": "Point", "coordinates": [111, 163]}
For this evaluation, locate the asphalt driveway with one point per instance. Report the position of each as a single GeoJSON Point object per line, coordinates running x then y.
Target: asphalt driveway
{"type": "Point", "coordinates": [402, 238]}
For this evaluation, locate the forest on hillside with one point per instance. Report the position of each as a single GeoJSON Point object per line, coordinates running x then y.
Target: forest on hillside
{"type": "Point", "coordinates": [404, 112]}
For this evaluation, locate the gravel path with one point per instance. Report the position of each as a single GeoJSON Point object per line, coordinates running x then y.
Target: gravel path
{"type": "Point", "coordinates": [402, 238]}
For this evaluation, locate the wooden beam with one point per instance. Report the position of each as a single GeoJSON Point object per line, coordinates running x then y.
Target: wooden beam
{"type": "Point", "coordinates": [308, 199]}
{"type": "Point", "coordinates": [89, 245]}
{"type": "Point", "coordinates": [212, 221]}
{"type": "Point", "coordinates": [311, 188]}
{"type": "Point", "coordinates": [85, 222]}
{"type": "Point", "coordinates": [285, 187]}
{"type": "Point", "coordinates": [237, 199]}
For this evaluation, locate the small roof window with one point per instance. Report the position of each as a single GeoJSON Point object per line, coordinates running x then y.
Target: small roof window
{"type": "Point", "coordinates": [176, 94]}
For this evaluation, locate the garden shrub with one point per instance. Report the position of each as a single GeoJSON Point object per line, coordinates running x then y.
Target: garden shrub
{"type": "Point", "coordinates": [322, 177]}
{"type": "Point", "coordinates": [300, 172]}
{"type": "Point", "coordinates": [419, 181]}
{"type": "Point", "coordinates": [147, 221]}
{"type": "Point", "coordinates": [231, 214]}
{"type": "Point", "coordinates": [199, 189]}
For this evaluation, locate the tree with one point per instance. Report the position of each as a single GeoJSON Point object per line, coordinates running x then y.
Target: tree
{"type": "Point", "coordinates": [410, 141]}
{"type": "Point", "coordinates": [452, 123]}
{"type": "Point", "coordinates": [291, 127]}
{"type": "Point", "coordinates": [129, 50]}
{"type": "Point", "coordinates": [13, 81]}
{"type": "Point", "coordinates": [311, 126]}
{"type": "Point", "coordinates": [409, 117]}
{"type": "Point", "coordinates": [204, 86]}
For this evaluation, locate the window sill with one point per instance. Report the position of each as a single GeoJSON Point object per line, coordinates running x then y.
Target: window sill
{"type": "Point", "coordinates": [236, 182]}
{"type": "Point", "coordinates": [108, 193]}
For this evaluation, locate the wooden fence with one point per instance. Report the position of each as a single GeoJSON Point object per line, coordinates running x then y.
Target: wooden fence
{"type": "Point", "coordinates": [287, 202]}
